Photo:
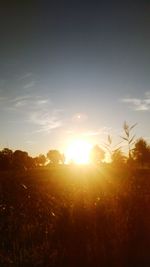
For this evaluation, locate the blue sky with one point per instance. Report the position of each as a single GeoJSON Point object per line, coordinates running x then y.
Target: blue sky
{"type": "Point", "coordinates": [70, 59]}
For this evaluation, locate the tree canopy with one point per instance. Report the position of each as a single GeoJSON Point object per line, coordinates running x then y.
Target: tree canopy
{"type": "Point", "coordinates": [141, 152]}
{"type": "Point", "coordinates": [97, 154]}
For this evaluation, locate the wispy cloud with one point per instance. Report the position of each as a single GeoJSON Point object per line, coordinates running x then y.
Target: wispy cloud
{"type": "Point", "coordinates": [45, 121]}
{"type": "Point", "coordinates": [30, 84]}
{"type": "Point", "coordinates": [27, 80]}
{"type": "Point", "coordinates": [138, 104]}
{"type": "Point", "coordinates": [25, 76]}
{"type": "Point", "coordinates": [88, 133]}
{"type": "Point", "coordinates": [26, 102]}
{"type": "Point", "coordinates": [101, 131]}
{"type": "Point", "coordinates": [20, 101]}
{"type": "Point", "coordinates": [35, 110]}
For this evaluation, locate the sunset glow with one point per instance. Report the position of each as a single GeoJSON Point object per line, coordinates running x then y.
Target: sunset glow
{"type": "Point", "coordinates": [78, 152]}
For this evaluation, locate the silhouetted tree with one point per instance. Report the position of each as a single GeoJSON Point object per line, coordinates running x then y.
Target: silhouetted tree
{"type": "Point", "coordinates": [6, 157]}
{"type": "Point", "coordinates": [30, 163]}
{"type": "Point", "coordinates": [40, 160]}
{"type": "Point", "coordinates": [20, 159]}
{"type": "Point", "coordinates": [118, 158]}
{"type": "Point", "coordinates": [54, 157]}
{"type": "Point", "coordinates": [141, 152]}
{"type": "Point", "coordinates": [97, 154]}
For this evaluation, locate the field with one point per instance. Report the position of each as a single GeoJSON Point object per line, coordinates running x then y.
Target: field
{"type": "Point", "coordinates": [75, 216]}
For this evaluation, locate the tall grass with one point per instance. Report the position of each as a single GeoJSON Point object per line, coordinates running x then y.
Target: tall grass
{"type": "Point", "coordinates": [75, 217]}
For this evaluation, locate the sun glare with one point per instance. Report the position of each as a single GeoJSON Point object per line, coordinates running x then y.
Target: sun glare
{"type": "Point", "coordinates": [78, 152]}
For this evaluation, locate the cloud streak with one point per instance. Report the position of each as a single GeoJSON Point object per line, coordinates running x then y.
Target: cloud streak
{"type": "Point", "coordinates": [138, 104]}
{"type": "Point", "coordinates": [30, 84]}
{"type": "Point", "coordinates": [30, 102]}
{"type": "Point", "coordinates": [101, 131]}
{"type": "Point", "coordinates": [90, 133]}
{"type": "Point", "coordinates": [34, 110]}
{"type": "Point", "coordinates": [25, 76]}
{"type": "Point", "coordinates": [45, 121]}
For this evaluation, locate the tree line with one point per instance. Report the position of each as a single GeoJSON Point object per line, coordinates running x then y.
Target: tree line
{"type": "Point", "coordinates": [21, 160]}
{"type": "Point", "coordinates": [138, 154]}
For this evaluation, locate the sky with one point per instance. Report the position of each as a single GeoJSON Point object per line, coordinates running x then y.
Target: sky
{"type": "Point", "coordinates": [73, 69]}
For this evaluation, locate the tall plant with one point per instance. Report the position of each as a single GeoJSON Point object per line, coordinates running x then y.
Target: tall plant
{"type": "Point", "coordinates": [112, 148]}
{"type": "Point", "coordinates": [129, 137]}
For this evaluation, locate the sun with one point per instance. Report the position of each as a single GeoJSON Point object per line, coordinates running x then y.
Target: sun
{"type": "Point", "coordinates": [78, 151]}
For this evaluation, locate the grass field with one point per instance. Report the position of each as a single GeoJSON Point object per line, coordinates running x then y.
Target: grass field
{"type": "Point", "coordinates": [75, 216]}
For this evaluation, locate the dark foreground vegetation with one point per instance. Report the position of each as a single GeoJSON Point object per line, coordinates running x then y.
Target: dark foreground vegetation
{"type": "Point", "coordinates": [75, 216]}
{"type": "Point", "coordinates": [54, 215]}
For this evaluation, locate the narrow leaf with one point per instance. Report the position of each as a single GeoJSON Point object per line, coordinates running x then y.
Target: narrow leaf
{"type": "Point", "coordinates": [133, 126]}
{"type": "Point", "coordinates": [109, 139]}
{"type": "Point", "coordinates": [130, 141]}
{"type": "Point", "coordinates": [126, 139]}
